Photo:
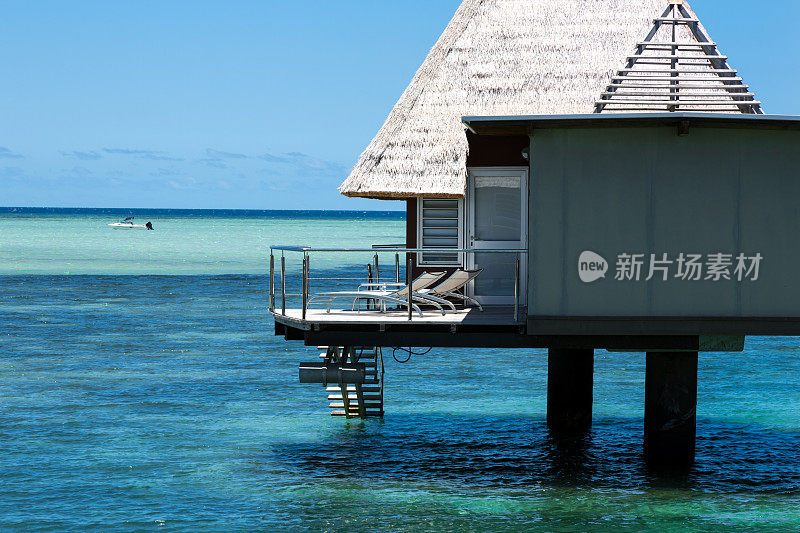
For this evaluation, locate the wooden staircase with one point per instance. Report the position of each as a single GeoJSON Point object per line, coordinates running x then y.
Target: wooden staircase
{"type": "Point", "coordinates": [356, 401]}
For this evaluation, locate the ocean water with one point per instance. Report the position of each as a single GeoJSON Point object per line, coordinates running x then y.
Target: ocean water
{"type": "Point", "coordinates": [142, 389]}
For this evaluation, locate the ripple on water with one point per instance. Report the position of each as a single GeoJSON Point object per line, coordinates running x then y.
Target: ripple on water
{"type": "Point", "coordinates": [166, 402]}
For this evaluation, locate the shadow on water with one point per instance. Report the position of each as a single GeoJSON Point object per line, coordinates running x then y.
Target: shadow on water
{"type": "Point", "coordinates": [518, 451]}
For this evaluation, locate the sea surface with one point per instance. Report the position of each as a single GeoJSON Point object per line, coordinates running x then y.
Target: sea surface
{"type": "Point", "coordinates": [142, 389]}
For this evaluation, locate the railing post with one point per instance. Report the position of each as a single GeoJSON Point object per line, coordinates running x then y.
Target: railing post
{"type": "Point", "coordinates": [516, 289]}
{"type": "Point", "coordinates": [370, 303]}
{"type": "Point", "coordinates": [397, 268]}
{"type": "Point", "coordinates": [408, 282]}
{"type": "Point", "coordinates": [283, 284]}
{"type": "Point", "coordinates": [271, 281]}
{"type": "Point", "coordinates": [305, 284]}
{"type": "Point", "coordinates": [377, 274]}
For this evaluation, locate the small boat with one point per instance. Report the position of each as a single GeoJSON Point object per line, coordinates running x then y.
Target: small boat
{"type": "Point", "coordinates": [127, 223]}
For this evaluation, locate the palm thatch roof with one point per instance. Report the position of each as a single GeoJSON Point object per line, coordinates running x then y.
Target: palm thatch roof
{"type": "Point", "coordinates": [497, 57]}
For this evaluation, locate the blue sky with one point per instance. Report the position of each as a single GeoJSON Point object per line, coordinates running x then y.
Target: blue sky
{"type": "Point", "coordinates": [250, 104]}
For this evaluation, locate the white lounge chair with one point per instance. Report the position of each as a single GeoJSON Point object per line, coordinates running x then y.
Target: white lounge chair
{"type": "Point", "coordinates": [447, 289]}
{"type": "Point", "coordinates": [398, 296]}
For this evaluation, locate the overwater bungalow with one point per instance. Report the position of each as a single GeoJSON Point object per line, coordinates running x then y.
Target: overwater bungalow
{"type": "Point", "coordinates": [578, 175]}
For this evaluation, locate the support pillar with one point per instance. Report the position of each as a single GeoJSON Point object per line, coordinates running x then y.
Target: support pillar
{"type": "Point", "coordinates": [570, 377]}
{"type": "Point", "coordinates": [670, 410]}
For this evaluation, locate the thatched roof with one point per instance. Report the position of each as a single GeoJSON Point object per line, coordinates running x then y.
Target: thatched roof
{"type": "Point", "coordinates": [496, 57]}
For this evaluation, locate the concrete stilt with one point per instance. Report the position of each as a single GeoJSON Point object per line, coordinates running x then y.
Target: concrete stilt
{"type": "Point", "coordinates": [670, 408]}
{"type": "Point", "coordinates": [570, 376]}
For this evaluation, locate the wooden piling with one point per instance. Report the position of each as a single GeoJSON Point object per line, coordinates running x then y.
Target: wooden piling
{"type": "Point", "coordinates": [670, 408]}
{"type": "Point", "coordinates": [570, 378]}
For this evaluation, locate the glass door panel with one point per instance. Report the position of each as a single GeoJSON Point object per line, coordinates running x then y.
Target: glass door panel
{"type": "Point", "coordinates": [497, 221]}
{"type": "Point", "coordinates": [497, 278]}
{"type": "Point", "coordinates": [498, 214]}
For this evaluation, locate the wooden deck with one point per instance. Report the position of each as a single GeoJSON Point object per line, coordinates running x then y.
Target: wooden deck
{"type": "Point", "coordinates": [490, 316]}
{"type": "Point", "coordinates": [494, 326]}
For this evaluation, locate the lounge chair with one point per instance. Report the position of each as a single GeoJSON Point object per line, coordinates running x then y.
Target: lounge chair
{"type": "Point", "coordinates": [397, 296]}
{"type": "Point", "coordinates": [447, 289]}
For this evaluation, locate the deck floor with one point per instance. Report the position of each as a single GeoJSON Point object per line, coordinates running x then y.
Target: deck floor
{"type": "Point", "coordinates": [491, 315]}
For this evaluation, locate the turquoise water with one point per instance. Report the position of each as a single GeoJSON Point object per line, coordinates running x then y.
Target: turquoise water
{"type": "Point", "coordinates": [186, 244]}
{"type": "Point", "coordinates": [142, 389]}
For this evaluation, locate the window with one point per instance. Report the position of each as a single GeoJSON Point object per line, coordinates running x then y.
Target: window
{"type": "Point", "coordinates": [439, 223]}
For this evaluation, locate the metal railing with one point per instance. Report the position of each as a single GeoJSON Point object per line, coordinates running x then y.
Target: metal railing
{"type": "Point", "coordinates": [373, 272]}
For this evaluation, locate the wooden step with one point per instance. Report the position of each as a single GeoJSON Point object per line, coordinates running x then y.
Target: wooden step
{"type": "Point", "coordinates": [669, 20]}
{"type": "Point", "coordinates": [336, 388]}
{"type": "Point", "coordinates": [679, 102]}
{"type": "Point", "coordinates": [365, 388]}
{"type": "Point", "coordinates": [369, 413]}
{"type": "Point", "coordinates": [354, 397]}
{"type": "Point", "coordinates": [355, 411]}
{"type": "Point", "coordinates": [372, 406]}
{"type": "Point", "coordinates": [353, 414]}
{"type": "Point", "coordinates": [680, 71]}
{"type": "Point", "coordinates": [677, 44]}
{"type": "Point", "coordinates": [366, 360]}
{"type": "Point", "coordinates": [680, 78]}
{"type": "Point", "coordinates": [682, 94]}
{"type": "Point", "coordinates": [368, 405]}
{"type": "Point", "coordinates": [679, 84]}
{"type": "Point", "coordinates": [677, 57]}
{"type": "Point", "coordinates": [353, 394]}
{"type": "Point", "coordinates": [351, 388]}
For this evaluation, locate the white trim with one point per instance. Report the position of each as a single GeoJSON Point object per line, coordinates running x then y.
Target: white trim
{"type": "Point", "coordinates": [522, 172]}
{"type": "Point", "coordinates": [461, 233]}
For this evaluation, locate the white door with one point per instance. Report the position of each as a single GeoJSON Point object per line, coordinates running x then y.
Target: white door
{"type": "Point", "coordinates": [497, 220]}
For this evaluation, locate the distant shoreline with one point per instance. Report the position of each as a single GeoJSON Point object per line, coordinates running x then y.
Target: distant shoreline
{"type": "Point", "coordinates": [242, 213]}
